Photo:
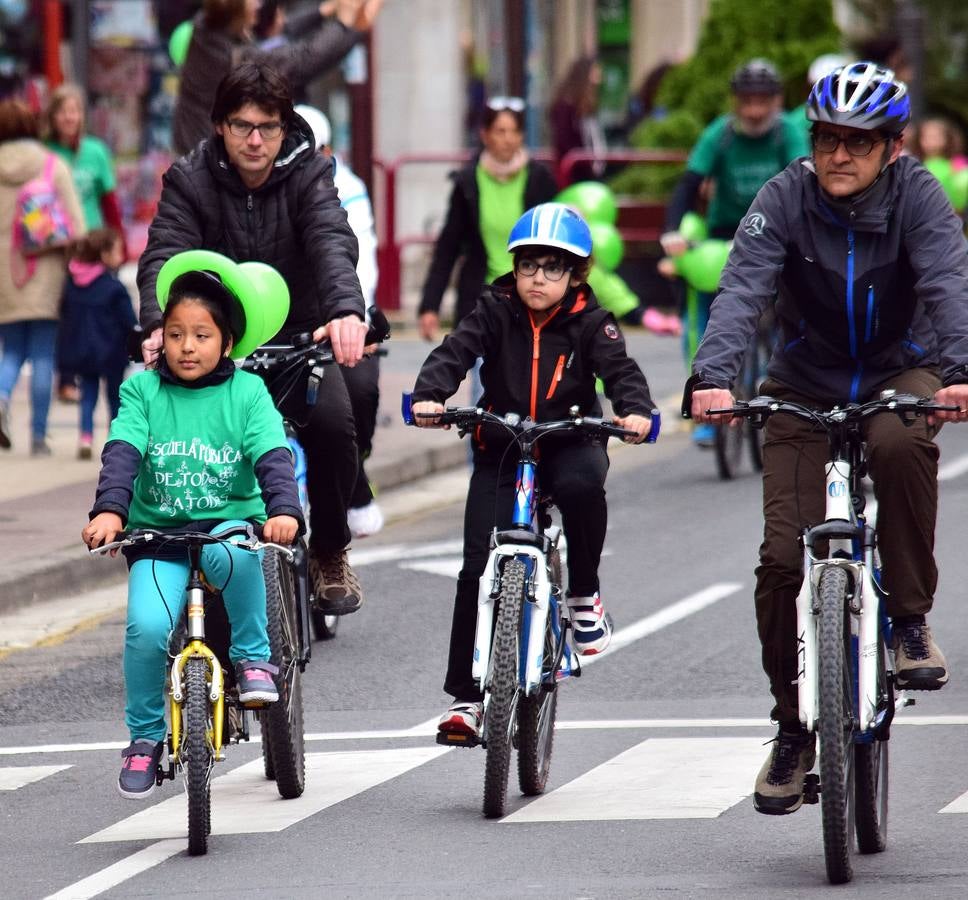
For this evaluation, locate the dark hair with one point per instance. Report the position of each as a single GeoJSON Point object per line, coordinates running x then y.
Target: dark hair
{"type": "Point", "coordinates": [580, 266]}
{"type": "Point", "coordinates": [490, 114]}
{"type": "Point", "coordinates": [577, 88]}
{"type": "Point", "coordinates": [17, 121]}
{"type": "Point", "coordinates": [223, 14]}
{"type": "Point", "coordinates": [94, 244]}
{"type": "Point", "coordinates": [256, 83]}
{"type": "Point", "coordinates": [206, 289]}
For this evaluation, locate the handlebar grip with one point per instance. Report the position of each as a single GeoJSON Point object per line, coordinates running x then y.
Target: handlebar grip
{"type": "Point", "coordinates": [406, 408]}
{"type": "Point", "coordinates": [655, 428]}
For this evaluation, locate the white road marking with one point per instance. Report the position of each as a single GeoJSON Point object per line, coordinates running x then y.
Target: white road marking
{"type": "Point", "coordinates": [394, 552]}
{"type": "Point", "coordinates": [244, 801]}
{"type": "Point", "coordinates": [449, 567]}
{"type": "Point", "coordinates": [121, 871]}
{"type": "Point", "coordinates": [957, 466]}
{"type": "Point", "coordinates": [958, 805]}
{"type": "Point", "coordinates": [14, 777]}
{"type": "Point", "coordinates": [661, 778]}
{"type": "Point", "coordinates": [666, 616]}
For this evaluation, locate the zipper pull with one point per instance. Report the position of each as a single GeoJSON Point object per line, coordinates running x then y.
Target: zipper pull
{"type": "Point", "coordinates": [536, 345]}
{"type": "Point", "coordinates": [248, 203]}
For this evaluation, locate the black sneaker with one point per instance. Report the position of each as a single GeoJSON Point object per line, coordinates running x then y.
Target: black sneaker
{"type": "Point", "coordinates": [336, 589]}
{"type": "Point", "coordinates": [137, 778]}
{"type": "Point", "coordinates": [255, 682]}
{"type": "Point", "coordinates": [779, 786]}
{"type": "Point", "coordinates": [920, 665]}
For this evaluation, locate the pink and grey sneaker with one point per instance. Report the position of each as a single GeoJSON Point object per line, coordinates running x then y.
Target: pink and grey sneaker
{"type": "Point", "coordinates": [256, 682]}
{"type": "Point", "coordinates": [589, 624]}
{"type": "Point", "coordinates": [139, 769]}
{"type": "Point", "coordinates": [462, 717]}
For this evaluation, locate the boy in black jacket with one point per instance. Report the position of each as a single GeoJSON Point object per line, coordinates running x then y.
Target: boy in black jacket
{"type": "Point", "coordinates": [543, 340]}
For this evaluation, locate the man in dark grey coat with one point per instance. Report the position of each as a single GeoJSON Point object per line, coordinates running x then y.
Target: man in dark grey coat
{"type": "Point", "coordinates": [871, 268]}
{"type": "Point", "coordinates": [257, 190]}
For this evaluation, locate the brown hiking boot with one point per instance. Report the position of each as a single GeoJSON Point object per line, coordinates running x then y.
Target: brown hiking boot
{"type": "Point", "coordinates": [919, 664]}
{"type": "Point", "coordinates": [336, 588]}
{"type": "Point", "coordinates": [779, 786]}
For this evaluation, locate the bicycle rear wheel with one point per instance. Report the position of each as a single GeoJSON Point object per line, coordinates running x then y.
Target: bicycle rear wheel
{"type": "Point", "coordinates": [282, 721]}
{"type": "Point", "coordinates": [871, 766]}
{"type": "Point", "coordinates": [197, 755]}
{"type": "Point", "coordinates": [729, 449]}
{"type": "Point", "coordinates": [503, 688]}
{"type": "Point", "coordinates": [536, 713]}
{"type": "Point", "coordinates": [835, 690]}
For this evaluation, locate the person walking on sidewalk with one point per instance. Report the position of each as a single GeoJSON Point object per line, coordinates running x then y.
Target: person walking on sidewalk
{"type": "Point", "coordinates": [31, 285]}
{"type": "Point", "coordinates": [96, 318]}
{"type": "Point", "coordinates": [257, 190]}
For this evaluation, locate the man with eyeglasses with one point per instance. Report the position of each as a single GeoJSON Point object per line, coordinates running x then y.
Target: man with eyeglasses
{"type": "Point", "coordinates": [257, 190]}
{"type": "Point", "coordinates": [868, 265]}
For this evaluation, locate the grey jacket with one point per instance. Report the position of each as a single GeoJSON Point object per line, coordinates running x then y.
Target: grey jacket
{"type": "Point", "coordinates": [864, 289]}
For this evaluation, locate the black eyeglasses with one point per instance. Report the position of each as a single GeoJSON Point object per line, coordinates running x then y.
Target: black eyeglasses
{"type": "Point", "coordinates": [854, 144]}
{"type": "Point", "coordinates": [554, 269]}
{"type": "Point", "coordinates": [268, 131]}
{"type": "Point", "coordinates": [515, 104]}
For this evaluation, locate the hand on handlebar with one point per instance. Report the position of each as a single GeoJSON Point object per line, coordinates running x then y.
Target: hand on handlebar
{"type": "Point", "coordinates": [641, 425]}
{"type": "Point", "coordinates": [347, 336]}
{"type": "Point", "coordinates": [102, 529]}
{"type": "Point", "coordinates": [953, 395]}
{"type": "Point", "coordinates": [426, 414]}
{"type": "Point", "coordinates": [712, 398]}
{"type": "Point", "coordinates": [280, 530]}
{"type": "Point", "coordinates": [151, 348]}
{"type": "Point", "coordinates": [673, 243]}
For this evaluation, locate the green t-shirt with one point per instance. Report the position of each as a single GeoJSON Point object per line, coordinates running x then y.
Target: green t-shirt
{"type": "Point", "coordinates": [198, 448]}
{"type": "Point", "coordinates": [501, 205]}
{"type": "Point", "coordinates": [93, 174]}
{"type": "Point", "coordinates": [741, 165]}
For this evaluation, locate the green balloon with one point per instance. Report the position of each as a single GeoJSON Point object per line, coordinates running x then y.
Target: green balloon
{"type": "Point", "coordinates": [939, 167]}
{"type": "Point", "coordinates": [594, 200]}
{"type": "Point", "coordinates": [607, 246]}
{"type": "Point", "coordinates": [178, 43]}
{"type": "Point", "coordinates": [959, 189]}
{"type": "Point", "coordinates": [259, 289]}
{"type": "Point", "coordinates": [703, 264]}
{"type": "Point", "coordinates": [693, 227]}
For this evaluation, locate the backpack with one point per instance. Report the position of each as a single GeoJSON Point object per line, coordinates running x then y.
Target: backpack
{"type": "Point", "coordinates": [40, 222]}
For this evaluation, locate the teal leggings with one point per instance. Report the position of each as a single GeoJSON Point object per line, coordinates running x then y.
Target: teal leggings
{"type": "Point", "coordinates": [149, 627]}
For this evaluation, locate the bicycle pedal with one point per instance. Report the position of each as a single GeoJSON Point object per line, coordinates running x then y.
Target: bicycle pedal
{"type": "Point", "coordinates": [811, 788]}
{"type": "Point", "coordinates": [457, 739]}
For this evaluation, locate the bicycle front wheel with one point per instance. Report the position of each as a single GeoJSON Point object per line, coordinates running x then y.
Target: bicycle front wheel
{"type": "Point", "coordinates": [282, 721]}
{"type": "Point", "coordinates": [503, 689]}
{"type": "Point", "coordinates": [197, 755]}
{"type": "Point", "coordinates": [536, 713]}
{"type": "Point", "coordinates": [835, 690]}
{"type": "Point", "coordinates": [871, 766]}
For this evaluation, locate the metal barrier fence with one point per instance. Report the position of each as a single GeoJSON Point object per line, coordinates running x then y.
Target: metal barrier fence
{"type": "Point", "coordinates": [637, 221]}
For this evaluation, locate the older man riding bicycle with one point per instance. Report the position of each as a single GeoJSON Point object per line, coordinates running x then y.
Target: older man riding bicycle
{"type": "Point", "coordinates": [868, 264]}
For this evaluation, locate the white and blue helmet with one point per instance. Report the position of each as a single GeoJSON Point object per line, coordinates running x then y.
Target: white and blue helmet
{"type": "Point", "coordinates": [861, 95]}
{"type": "Point", "coordinates": [552, 225]}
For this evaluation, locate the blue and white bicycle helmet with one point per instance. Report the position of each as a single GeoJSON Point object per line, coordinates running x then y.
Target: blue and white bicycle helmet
{"type": "Point", "coordinates": [861, 95]}
{"type": "Point", "coordinates": [552, 225]}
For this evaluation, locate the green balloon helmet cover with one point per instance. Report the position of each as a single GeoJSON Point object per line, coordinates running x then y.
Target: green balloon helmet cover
{"type": "Point", "coordinates": [607, 246]}
{"type": "Point", "coordinates": [179, 41]}
{"type": "Point", "coordinates": [257, 293]}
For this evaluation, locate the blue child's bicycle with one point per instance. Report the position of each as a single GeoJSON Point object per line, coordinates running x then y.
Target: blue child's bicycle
{"type": "Point", "coordinates": [521, 650]}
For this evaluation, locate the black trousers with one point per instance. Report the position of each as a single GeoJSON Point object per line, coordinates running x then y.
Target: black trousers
{"type": "Point", "coordinates": [574, 476]}
{"type": "Point", "coordinates": [328, 435]}
{"type": "Point", "coordinates": [363, 384]}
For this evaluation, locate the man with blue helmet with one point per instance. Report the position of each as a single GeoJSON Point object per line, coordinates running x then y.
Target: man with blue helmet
{"type": "Point", "coordinates": [543, 340]}
{"type": "Point", "coordinates": [868, 265]}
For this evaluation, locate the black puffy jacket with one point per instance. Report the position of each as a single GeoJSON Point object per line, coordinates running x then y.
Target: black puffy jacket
{"type": "Point", "coordinates": [539, 371]}
{"type": "Point", "coordinates": [293, 222]}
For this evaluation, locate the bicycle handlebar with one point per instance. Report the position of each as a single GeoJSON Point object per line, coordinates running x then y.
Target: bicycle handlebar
{"type": "Point", "coordinates": [759, 409]}
{"type": "Point", "coordinates": [467, 417]}
{"type": "Point", "coordinates": [189, 538]}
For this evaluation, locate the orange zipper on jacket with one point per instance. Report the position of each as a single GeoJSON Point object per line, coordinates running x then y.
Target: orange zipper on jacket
{"type": "Point", "coordinates": [559, 370]}
{"type": "Point", "coordinates": [536, 356]}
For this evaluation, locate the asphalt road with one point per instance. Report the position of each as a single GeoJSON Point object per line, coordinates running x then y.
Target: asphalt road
{"type": "Point", "coordinates": [655, 756]}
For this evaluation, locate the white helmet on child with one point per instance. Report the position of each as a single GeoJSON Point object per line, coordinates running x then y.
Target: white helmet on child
{"type": "Point", "coordinates": [318, 122]}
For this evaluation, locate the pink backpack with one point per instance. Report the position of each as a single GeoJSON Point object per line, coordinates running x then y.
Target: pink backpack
{"type": "Point", "coordinates": [40, 223]}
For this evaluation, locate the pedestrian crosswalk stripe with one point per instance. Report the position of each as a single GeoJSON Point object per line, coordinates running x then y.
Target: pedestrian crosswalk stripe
{"type": "Point", "coordinates": [14, 777]}
{"type": "Point", "coordinates": [244, 801]}
{"type": "Point", "coordinates": [660, 778]}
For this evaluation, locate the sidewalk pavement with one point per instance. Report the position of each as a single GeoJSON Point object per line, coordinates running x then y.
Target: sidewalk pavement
{"type": "Point", "coordinates": [44, 501]}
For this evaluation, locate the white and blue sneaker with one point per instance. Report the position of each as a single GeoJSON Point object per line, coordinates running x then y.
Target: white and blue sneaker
{"type": "Point", "coordinates": [589, 624]}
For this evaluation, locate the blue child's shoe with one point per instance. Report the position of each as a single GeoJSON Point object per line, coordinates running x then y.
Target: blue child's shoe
{"type": "Point", "coordinates": [704, 435]}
